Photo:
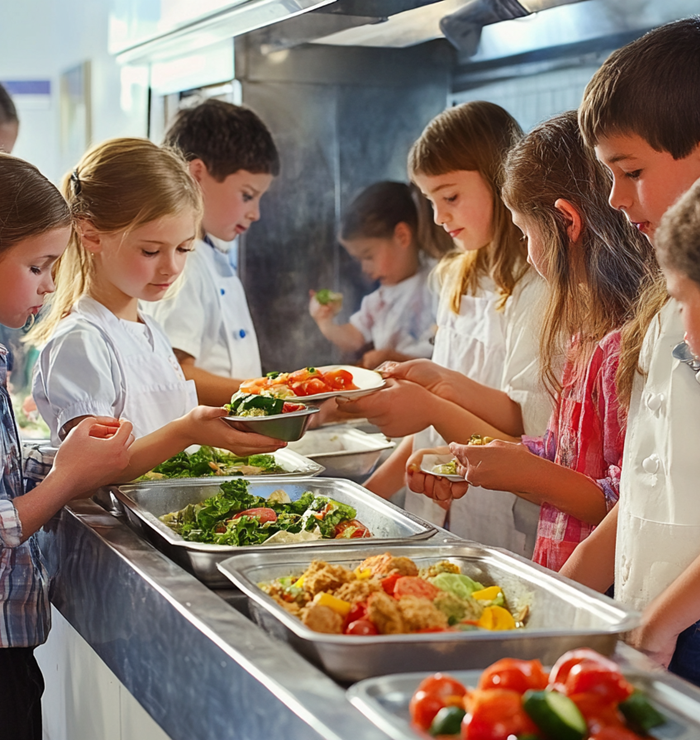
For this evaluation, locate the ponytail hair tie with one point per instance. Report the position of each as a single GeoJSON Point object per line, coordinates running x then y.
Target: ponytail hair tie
{"type": "Point", "coordinates": [76, 182]}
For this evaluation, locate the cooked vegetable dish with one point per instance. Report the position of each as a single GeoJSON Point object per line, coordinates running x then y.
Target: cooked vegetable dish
{"type": "Point", "coordinates": [208, 461]}
{"type": "Point", "coordinates": [264, 404]}
{"type": "Point", "coordinates": [235, 517]}
{"type": "Point", "coordinates": [585, 695]}
{"type": "Point", "coordinates": [388, 595]}
{"type": "Point", "coordinates": [325, 296]}
{"type": "Point", "coordinates": [306, 382]}
{"type": "Point", "coordinates": [449, 468]}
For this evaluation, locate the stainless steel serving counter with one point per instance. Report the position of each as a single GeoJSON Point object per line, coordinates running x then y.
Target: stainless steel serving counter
{"type": "Point", "coordinates": [199, 667]}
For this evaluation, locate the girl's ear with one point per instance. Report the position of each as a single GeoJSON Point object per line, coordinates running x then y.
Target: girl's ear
{"type": "Point", "coordinates": [403, 234]}
{"type": "Point", "coordinates": [89, 236]}
{"type": "Point", "coordinates": [572, 218]}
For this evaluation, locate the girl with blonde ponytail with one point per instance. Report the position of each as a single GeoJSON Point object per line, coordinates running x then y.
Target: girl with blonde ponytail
{"type": "Point", "coordinates": [136, 212]}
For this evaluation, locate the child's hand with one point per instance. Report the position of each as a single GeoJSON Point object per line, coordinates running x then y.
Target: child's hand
{"type": "Point", "coordinates": [205, 426]}
{"type": "Point", "coordinates": [322, 312]}
{"type": "Point", "coordinates": [398, 409]}
{"type": "Point", "coordinates": [93, 454]}
{"type": "Point", "coordinates": [441, 490]}
{"type": "Point", "coordinates": [423, 372]}
{"type": "Point", "coordinates": [499, 465]}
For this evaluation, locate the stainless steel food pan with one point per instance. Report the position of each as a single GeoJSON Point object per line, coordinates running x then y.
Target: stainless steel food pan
{"type": "Point", "coordinates": [562, 616]}
{"type": "Point", "coordinates": [384, 700]}
{"type": "Point", "coordinates": [143, 503]}
{"type": "Point", "coordinates": [295, 465]}
{"type": "Point", "coordinates": [345, 452]}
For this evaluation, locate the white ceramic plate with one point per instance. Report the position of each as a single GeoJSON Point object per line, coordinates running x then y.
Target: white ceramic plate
{"type": "Point", "coordinates": [367, 381]}
{"type": "Point", "coordinates": [430, 461]}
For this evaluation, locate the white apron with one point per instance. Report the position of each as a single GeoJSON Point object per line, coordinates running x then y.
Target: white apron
{"type": "Point", "coordinates": [137, 377]}
{"type": "Point", "coordinates": [658, 529]}
{"type": "Point", "coordinates": [499, 350]}
{"type": "Point", "coordinates": [208, 317]}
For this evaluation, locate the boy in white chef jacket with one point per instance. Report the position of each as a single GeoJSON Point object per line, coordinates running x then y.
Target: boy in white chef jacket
{"type": "Point", "coordinates": [232, 156]}
{"type": "Point", "coordinates": [641, 113]}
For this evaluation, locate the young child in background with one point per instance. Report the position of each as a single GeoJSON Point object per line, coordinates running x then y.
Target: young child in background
{"type": "Point", "coordinates": [35, 225]}
{"type": "Point", "coordinates": [595, 265]}
{"type": "Point", "coordinates": [233, 158]}
{"type": "Point", "coordinates": [483, 378]}
{"type": "Point", "coordinates": [644, 121]}
{"type": "Point", "coordinates": [136, 211]}
{"type": "Point", "coordinates": [382, 230]}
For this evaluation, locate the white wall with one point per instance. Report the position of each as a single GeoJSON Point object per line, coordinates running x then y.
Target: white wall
{"type": "Point", "coordinates": [40, 39]}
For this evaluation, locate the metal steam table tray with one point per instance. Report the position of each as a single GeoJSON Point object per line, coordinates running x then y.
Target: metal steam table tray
{"type": "Point", "coordinates": [384, 700]}
{"type": "Point", "coordinates": [143, 503]}
{"type": "Point", "coordinates": [563, 615]}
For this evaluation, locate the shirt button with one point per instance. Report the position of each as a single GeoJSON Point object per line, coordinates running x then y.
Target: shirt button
{"type": "Point", "coordinates": [651, 464]}
{"type": "Point", "coordinates": [242, 333]}
{"type": "Point", "coordinates": [654, 401]}
{"type": "Point", "coordinates": [223, 292]}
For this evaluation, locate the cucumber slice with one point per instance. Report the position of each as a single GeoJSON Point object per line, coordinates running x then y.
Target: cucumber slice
{"type": "Point", "coordinates": [555, 714]}
{"type": "Point", "coordinates": [640, 714]}
{"type": "Point", "coordinates": [448, 721]}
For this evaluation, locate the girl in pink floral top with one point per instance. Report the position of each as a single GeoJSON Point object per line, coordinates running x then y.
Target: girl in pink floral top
{"type": "Point", "coordinates": [594, 263]}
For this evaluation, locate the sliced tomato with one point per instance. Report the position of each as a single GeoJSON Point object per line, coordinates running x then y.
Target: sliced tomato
{"type": "Point", "coordinates": [389, 583]}
{"type": "Point", "coordinates": [310, 387]}
{"type": "Point", "coordinates": [495, 714]}
{"type": "Point", "coordinates": [434, 693]}
{"type": "Point", "coordinates": [415, 586]}
{"type": "Point", "coordinates": [288, 407]}
{"type": "Point", "coordinates": [361, 627]}
{"type": "Point", "coordinates": [592, 677]}
{"type": "Point", "coordinates": [597, 712]}
{"type": "Point", "coordinates": [357, 611]}
{"type": "Point", "coordinates": [339, 379]}
{"type": "Point", "coordinates": [262, 513]}
{"type": "Point", "coordinates": [351, 530]}
{"type": "Point", "coordinates": [517, 675]}
{"type": "Point", "coordinates": [560, 670]}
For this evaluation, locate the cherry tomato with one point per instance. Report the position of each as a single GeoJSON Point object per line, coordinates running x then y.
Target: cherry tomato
{"type": "Point", "coordinates": [361, 627]}
{"type": "Point", "coordinates": [358, 530]}
{"type": "Point", "coordinates": [517, 675]}
{"type": "Point", "coordinates": [597, 712]}
{"type": "Point", "coordinates": [262, 513]}
{"type": "Point", "coordinates": [415, 586]}
{"type": "Point", "coordinates": [615, 733]}
{"type": "Point", "coordinates": [389, 583]}
{"type": "Point", "coordinates": [434, 693]}
{"type": "Point", "coordinates": [357, 611]}
{"type": "Point", "coordinates": [560, 670]}
{"type": "Point", "coordinates": [591, 677]}
{"type": "Point", "coordinates": [495, 714]}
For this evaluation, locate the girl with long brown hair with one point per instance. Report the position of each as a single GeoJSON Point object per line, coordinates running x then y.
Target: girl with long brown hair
{"type": "Point", "coordinates": [482, 378]}
{"type": "Point", "coordinates": [595, 265]}
{"type": "Point", "coordinates": [35, 226]}
{"type": "Point", "coordinates": [136, 212]}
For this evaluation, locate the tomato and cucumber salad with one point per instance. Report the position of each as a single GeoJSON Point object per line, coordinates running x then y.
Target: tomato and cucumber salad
{"type": "Point", "coordinates": [584, 696]}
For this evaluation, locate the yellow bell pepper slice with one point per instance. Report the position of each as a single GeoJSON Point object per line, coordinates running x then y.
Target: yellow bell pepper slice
{"type": "Point", "coordinates": [362, 574]}
{"type": "Point", "coordinates": [333, 602]}
{"type": "Point", "coordinates": [496, 618]}
{"type": "Point", "coordinates": [487, 594]}
{"type": "Point", "coordinates": [299, 583]}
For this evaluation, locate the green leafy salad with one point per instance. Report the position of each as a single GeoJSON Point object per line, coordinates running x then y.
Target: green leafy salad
{"type": "Point", "coordinates": [212, 461]}
{"type": "Point", "coordinates": [236, 517]}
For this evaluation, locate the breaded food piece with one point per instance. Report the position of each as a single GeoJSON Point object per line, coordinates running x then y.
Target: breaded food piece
{"type": "Point", "coordinates": [322, 619]}
{"type": "Point", "coordinates": [444, 566]}
{"type": "Point", "coordinates": [456, 609]}
{"type": "Point", "coordinates": [359, 590]}
{"type": "Point", "coordinates": [321, 576]}
{"type": "Point", "coordinates": [420, 614]}
{"type": "Point", "coordinates": [383, 611]}
{"type": "Point", "coordinates": [383, 565]}
{"type": "Point", "coordinates": [290, 606]}
{"type": "Point", "coordinates": [282, 595]}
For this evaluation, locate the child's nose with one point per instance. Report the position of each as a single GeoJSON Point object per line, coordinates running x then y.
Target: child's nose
{"type": "Point", "coordinates": [619, 195]}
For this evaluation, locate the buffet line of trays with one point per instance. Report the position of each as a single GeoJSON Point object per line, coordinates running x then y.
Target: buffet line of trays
{"type": "Point", "coordinates": [549, 614]}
